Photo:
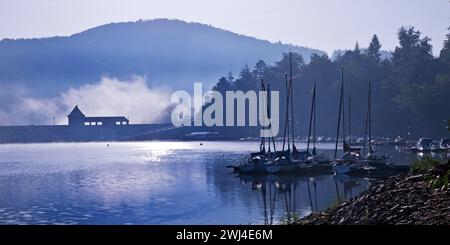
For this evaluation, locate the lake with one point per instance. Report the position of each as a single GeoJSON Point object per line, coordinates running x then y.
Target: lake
{"type": "Point", "coordinates": [156, 183]}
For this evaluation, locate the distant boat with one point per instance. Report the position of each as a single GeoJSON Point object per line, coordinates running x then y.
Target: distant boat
{"type": "Point", "coordinates": [424, 144]}
{"type": "Point", "coordinates": [444, 144]}
{"type": "Point", "coordinates": [399, 141]}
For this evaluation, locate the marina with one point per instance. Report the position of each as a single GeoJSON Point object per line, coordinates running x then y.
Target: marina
{"type": "Point", "coordinates": [203, 122]}
{"type": "Point", "coordinates": [161, 182]}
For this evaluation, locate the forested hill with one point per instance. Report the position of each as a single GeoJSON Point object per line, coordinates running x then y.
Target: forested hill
{"type": "Point", "coordinates": [412, 86]}
{"type": "Point", "coordinates": [169, 52]}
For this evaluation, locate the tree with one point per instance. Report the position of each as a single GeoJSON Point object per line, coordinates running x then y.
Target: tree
{"type": "Point", "coordinates": [230, 77]}
{"type": "Point", "coordinates": [412, 59]}
{"type": "Point", "coordinates": [411, 44]}
{"type": "Point", "coordinates": [357, 50]}
{"type": "Point", "coordinates": [444, 56]}
{"type": "Point", "coordinates": [245, 73]}
{"type": "Point", "coordinates": [412, 85]}
{"type": "Point", "coordinates": [245, 81]}
{"type": "Point", "coordinates": [223, 85]}
{"type": "Point", "coordinates": [260, 69]}
{"type": "Point", "coordinates": [373, 52]}
{"type": "Point", "coordinates": [297, 63]}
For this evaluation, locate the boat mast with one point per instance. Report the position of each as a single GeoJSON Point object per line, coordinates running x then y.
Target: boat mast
{"type": "Point", "coordinates": [344, 136]}
{"type": "Point", "coordinates": [311, 116]}
{"type": "Point", "coordinates": [349, 120]}
{"type": "Point", "coordinates": [366, 122]}
{"type": "Point", "coordinates": [270, 118]}
{"type": "Point", "coordinates": [263, 140]}
{"type": "Point", "coordinates": [370, 118]}
{"type": "Point", "coordinates": [314, 125]}
{"type": "Point", "coordinates": [286, 124]}
{"type": "Point", "coordinates": [291, 91]}
{"type": "Point", "coordinates": [340, 112]}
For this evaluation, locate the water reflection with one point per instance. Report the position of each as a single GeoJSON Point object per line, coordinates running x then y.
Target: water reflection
{"type": "Point", "coordinates": [435, 155]}
{"type": "Point", "coordinates": [287, 197]}
{"type": "Point", "coordinates": [401, 156]}
{"type": "Point", "coordinates": [158, 183]}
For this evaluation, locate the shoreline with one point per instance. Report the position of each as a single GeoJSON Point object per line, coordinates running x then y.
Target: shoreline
{"type": "Point", "coordinates": [420, 197]}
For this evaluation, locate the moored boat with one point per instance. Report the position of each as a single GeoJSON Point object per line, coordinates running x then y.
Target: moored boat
{"type": "Point", "coordinates": [289, 159]}
{"type": "Point", "coordinates": [422, 145]}
{"type": "Point", "coordinates": [442, 146]}
{"type": "Point", "coordinates": [352, 160]}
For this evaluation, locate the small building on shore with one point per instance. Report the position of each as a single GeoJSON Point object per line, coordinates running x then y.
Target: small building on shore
{"type": "Point", "coordinates": [81, 128]}
{"type": "Point", "coordinates": [78, 119]}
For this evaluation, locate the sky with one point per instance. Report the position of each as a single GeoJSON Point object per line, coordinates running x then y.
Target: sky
{"type": "Point", "coordinates": [323, 24]}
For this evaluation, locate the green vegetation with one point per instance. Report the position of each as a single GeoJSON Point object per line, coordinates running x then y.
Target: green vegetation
{"type": "Point", "coordinates": [424, 164]}
{"type": "Point", "coordinates": [441, 170]}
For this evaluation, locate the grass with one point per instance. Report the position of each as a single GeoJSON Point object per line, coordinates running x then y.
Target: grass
{"type": "Point", "coordinates": [441, 180]}
{"type": "Point", "coordinates": [424, 164]}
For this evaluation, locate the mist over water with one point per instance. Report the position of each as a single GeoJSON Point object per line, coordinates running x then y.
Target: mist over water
{"type": "Point", "coordinates": [132, 98]}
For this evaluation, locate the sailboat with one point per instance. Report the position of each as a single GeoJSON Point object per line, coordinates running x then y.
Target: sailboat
{"type": "Point", "coordinates": [295, 154]}
{"type": "Point", "coordinates": [298, 160]}
{"type": "Point", "coordinates": [288, 161]}
{"type": "Point", "coordinates": [371, 162]}
{"type": "Point", "coordinates": [373, 159]}
{"type": "Point", "coordinates": [256, 162]}
{"type": "Point", "coordinates": [352, 157]}
{"type": "Point", "coordinates": [349, 146]}
{"type": "Point", "coordinates": [314, 157]}
{"type": "Point", "coordinates": [273, 161]}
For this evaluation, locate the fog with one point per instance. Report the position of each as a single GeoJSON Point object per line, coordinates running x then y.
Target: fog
{"type": "Point", "coordinates": [132, 98]}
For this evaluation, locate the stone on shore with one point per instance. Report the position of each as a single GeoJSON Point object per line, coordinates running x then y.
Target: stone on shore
{"type": "Point", "coordinates": [412, 198]}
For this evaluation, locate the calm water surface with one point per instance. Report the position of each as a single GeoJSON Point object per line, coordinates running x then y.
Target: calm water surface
{"type": "Point", "coordinates": [155, 183]}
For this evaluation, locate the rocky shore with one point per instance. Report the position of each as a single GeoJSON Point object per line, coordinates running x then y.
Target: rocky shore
{"type": "Point", "coordinates": [419, 197]}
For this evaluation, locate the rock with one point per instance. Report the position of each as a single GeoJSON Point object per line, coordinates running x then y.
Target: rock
{"type": "Point", "coordinates": [414, 177]}
{"type": "Point", "coordinates": [403, 199]}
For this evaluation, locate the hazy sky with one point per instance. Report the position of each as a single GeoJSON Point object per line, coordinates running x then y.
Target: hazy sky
{"type": "Point", "coordinates": [322, 24]}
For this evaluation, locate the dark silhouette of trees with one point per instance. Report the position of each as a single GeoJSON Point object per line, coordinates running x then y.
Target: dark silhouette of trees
{"type": "Point", "coordinates": [444, 56]}
{"type": "Point", "coordinates": [246, 81]}
{"type": "Point", "coordinates": [297, 63]}
{"type": "Point", "coordinates": [411, 60]}
{"type": "Point", "coordinates": [411, 86]}
{"type": "Point", "coordinates": [357, 50]}
{"type": "Point", "coordinates": [260, 69]}
{"type": "Point", "coordinates": [373, 52]}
